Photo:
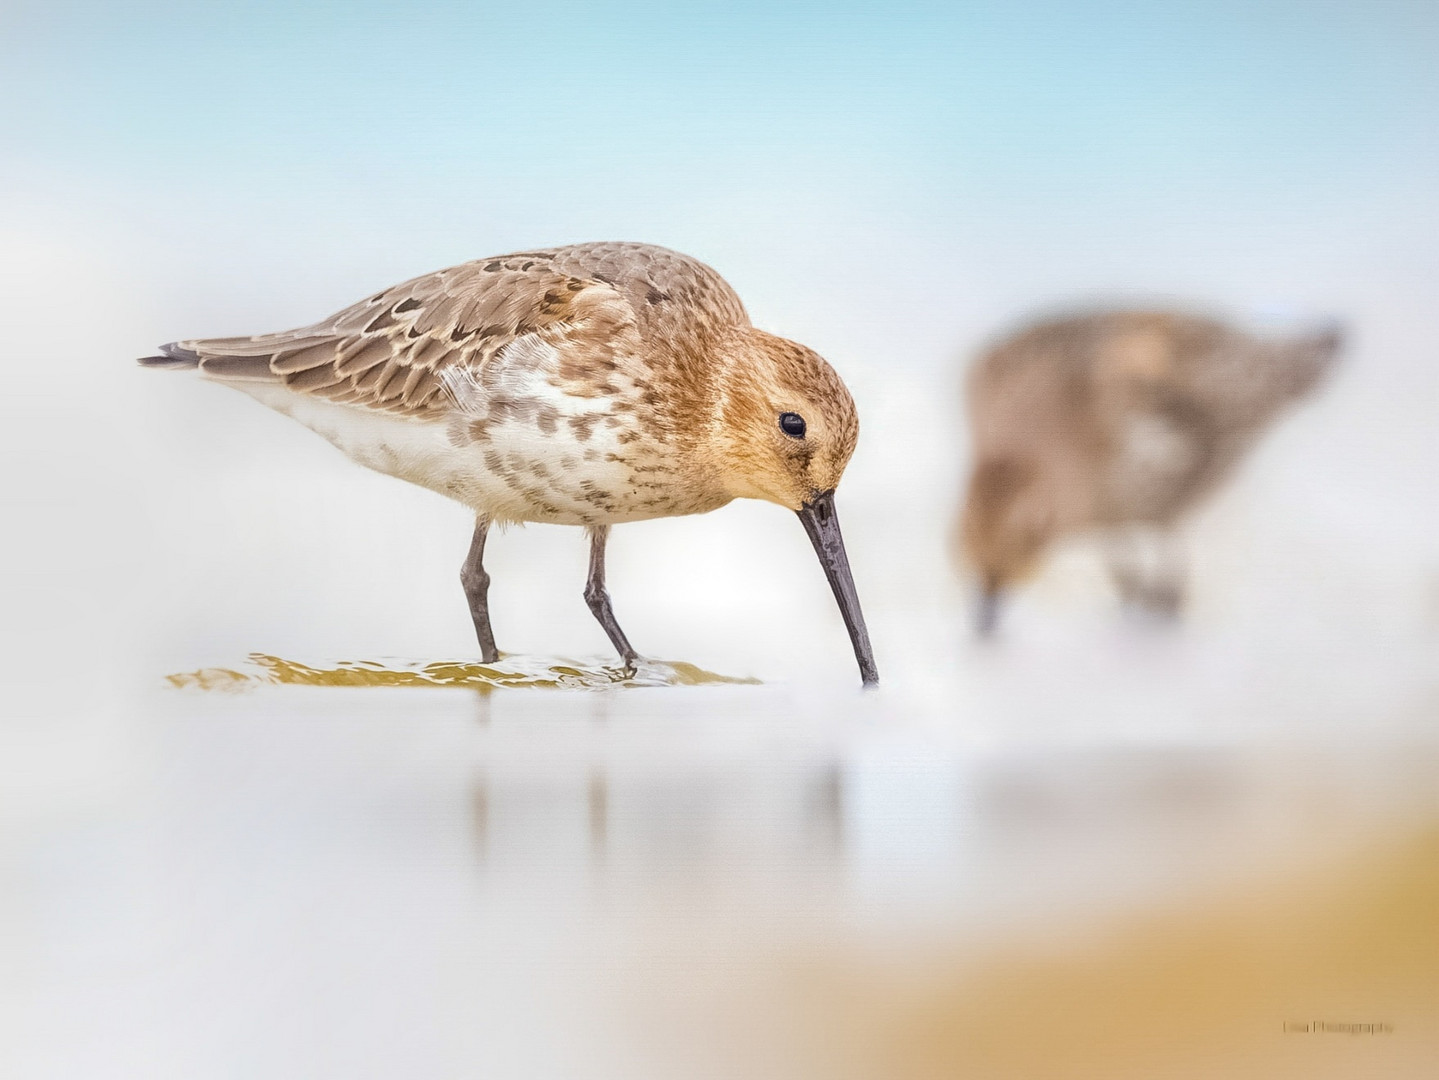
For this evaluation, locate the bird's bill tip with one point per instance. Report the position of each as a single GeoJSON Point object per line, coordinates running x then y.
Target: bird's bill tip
{"type": "Point", "coordinates": [818, 516]}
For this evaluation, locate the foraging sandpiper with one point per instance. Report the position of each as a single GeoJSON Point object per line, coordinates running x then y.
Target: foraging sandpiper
{"type": "Point", "coordinates": [585, 385]}
{"type": "Point", "coordinates": [1116, 422]}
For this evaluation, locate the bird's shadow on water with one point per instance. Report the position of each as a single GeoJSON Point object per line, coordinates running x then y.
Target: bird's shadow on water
{"type": "Point", "coordinates": [547, 672]}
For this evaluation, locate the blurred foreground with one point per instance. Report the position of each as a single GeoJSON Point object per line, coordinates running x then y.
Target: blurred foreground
{"type": "Point", "coordinates": [725, 881]}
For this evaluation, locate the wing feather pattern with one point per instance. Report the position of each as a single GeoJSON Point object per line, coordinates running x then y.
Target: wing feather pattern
{"type": "Point", "coordinates": [392, 350]}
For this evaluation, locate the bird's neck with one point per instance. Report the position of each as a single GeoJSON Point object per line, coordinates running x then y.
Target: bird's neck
{"type": "Point", "coordinates": [739, 368]}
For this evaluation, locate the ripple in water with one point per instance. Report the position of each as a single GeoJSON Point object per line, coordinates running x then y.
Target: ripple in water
{"type": "Point", "coordinates": [510, 671]}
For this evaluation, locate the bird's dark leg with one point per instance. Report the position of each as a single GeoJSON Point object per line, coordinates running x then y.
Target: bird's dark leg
{"type": "Point", "coordinates": [1148, 571]}
{"type": "Point", "coordinates": [1124, 568]}
{"type": "Point", "coordinates": [986, 611]}
{"type": "Point", "coordinates": [477, 589]}
{"type": "Point", "coordinates": [1167, 587]}
{"type": "Point", "coordinates": [599, 600]}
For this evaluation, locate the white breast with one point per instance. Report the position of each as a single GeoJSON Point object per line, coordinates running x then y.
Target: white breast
{"type": "Point", "coordinates": [572, 471]}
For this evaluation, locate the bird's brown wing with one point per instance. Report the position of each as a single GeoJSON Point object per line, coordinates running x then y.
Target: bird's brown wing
{"type": "Point", "coordinates": [677, 300]}
{"type": "Point", "coordinates": [390, 352]}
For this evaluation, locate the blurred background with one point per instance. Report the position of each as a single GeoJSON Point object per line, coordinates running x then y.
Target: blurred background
{"type": "Point", "coordinates": [786, 879]}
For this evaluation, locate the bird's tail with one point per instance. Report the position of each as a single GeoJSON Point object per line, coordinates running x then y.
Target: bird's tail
{"type": "Point", "coordinates": [172, 357]}
{"type": "Point", "coordinates": [1311, 357]}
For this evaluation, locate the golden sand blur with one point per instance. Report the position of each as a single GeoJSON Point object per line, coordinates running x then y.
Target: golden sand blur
{"type": "Point", "coordinates": [511, 671]}
{"type": "Point", "coordinates": [1230, 988]}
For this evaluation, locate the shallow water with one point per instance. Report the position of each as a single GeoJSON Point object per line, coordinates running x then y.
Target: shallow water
{"type": "Point", "coordinates": [511, 672]}
{"type": "Point", "coordinates": [722, 880]}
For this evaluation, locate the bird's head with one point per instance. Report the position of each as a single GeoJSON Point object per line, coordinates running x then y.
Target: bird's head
{"type": "Point", "coordinates": [784, 429]}
{"type": "Point", "coordinates": [1005, 527]}
{"type": "Point", "coordinates": [786, 424]}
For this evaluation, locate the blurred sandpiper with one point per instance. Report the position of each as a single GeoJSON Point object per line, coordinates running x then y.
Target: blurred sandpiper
{"type": "Point", "coordinates": [1117, 422]}
{"type": "Point", "coordinates": [585, 385]}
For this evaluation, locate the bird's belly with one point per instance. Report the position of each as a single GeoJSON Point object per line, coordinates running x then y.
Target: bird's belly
{"type": "Point", "coordinates": [570, 474]}
{"type": "Point", "coordinates": [1156, 471]}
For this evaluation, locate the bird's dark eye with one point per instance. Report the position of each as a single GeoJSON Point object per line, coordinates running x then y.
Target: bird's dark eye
{"type": "Point", "coordinates": [792, 424]}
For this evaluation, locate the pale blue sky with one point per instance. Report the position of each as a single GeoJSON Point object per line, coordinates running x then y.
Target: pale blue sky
{"type": "Point", "coordinates": [985, 96]}
{"type": "Point", "coordinates": [1223, 149]}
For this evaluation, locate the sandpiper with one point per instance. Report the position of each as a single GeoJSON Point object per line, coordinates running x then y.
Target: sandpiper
{"type": "Point", "coordinates": [585, 385]}
{"type": "Point", "coordinates": [1117, 422]}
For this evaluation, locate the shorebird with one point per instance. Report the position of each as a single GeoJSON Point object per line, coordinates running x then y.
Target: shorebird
{"type": "Point", "coordinates": [586, 385]}
{"type": "Point", "coordinates": [1117, 422]}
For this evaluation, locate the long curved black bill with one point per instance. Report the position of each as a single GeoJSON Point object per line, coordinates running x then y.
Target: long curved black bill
{"type": "Point", "coordinates": [820, 521]}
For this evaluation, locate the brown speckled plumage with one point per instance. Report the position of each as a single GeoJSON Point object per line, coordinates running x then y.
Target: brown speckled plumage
{"type": "Point", "coordinates": [387, 351]}
{"type": "Point", "coordinates": [645, 343]}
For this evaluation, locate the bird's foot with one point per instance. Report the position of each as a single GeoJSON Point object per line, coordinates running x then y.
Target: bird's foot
{"type": "Point", "coordinates": [1162, 602]}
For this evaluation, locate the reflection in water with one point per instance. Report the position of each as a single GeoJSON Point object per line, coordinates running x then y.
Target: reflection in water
{"type": "Point", "coordinates": [480, 818]}
{"type": "Point", "coordinates": [851, 909]}
{"type": "Point", "coordinates": [511, 671]}
{"type": "Point", "coordinates": [599, 803]}
{"type": "Point", "coordinates": [711, 824]}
